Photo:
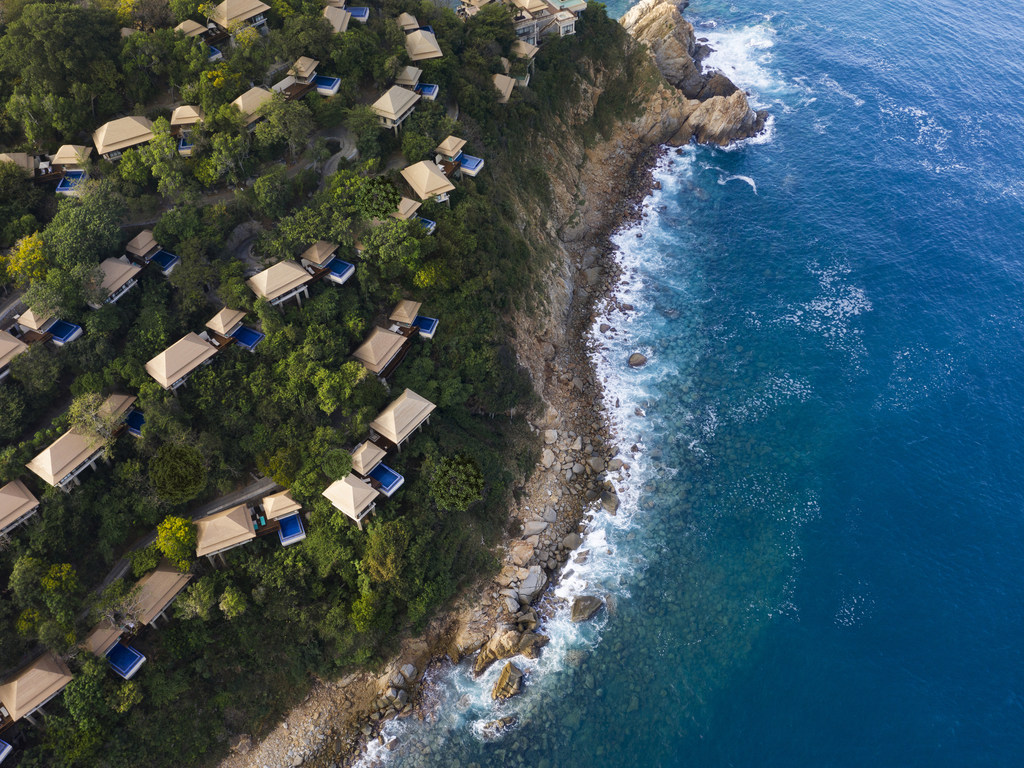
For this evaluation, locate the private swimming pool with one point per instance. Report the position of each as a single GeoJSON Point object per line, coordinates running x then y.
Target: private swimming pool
{"type": "Point", "coordinates": [134, 422]}
{"type": "Point", "coordinates": [427, 325]}
{"type": "Point", "coordinates": [327, 86]}
{"type": "Point", "coordinates": [359, 14]}
{"type": "Point", "coordinates": [469, 165]}
{"type": "Point", "coordinates": [5, 750]}
{"type": "Point", "coordinates": [70, 182]}
{"type": "Point", "coordinates": [64, 332]}
{"type": "Point", "coordinates": [291, 530]}
{"type": "Point", "coordinates": [165, 260]}
{"type": "Point", "coordinates": [428, 225]}
{"type": "Point", "coordinates": [389, 480]}
{"type": "Point", "coordinates": [428, 90]}
{"type": "Point", "coordinates": [340, 270]}
{"type": "Point", "coordinates": [125, 660]}
{"type": "Point", "coordinates": [247, 337]}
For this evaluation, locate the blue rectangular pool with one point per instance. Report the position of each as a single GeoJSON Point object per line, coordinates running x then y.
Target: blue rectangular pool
{"type": "Point", "coordinates": [291, 530]}
{"type": "Point", "coordinates": [5, 750]}
{"type": "Point", "coordinates": [71, 181]}
{"type": "Point", "coordinates": [470, 165]}
{"type": "Point", "coordinates": [165, 260]}
{"type": "Point", "coordinates": [63, 332]}
{"type": "Point", "coordinates": [389, 480]}
{"type": "Point", "coordinates": [427, 325]}
{"type": "Point", "coordinates": [428, 225]}
{"type": "Point", "coordinates": [125, 660]}
{"type": "Point", "coordinates": [134, 422]}
{"type": "Point", "coordinates": [428, 90]}
{"type": "Point", "coordinates": [340, 270]}
{"type": "Point", "coordinates": [327, 86]}
{"type": "Point", "coordinates": [359, 14]}
{"type": "Point", "coordinates": [247, 337]}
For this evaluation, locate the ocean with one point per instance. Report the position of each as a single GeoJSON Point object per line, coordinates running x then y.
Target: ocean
{"type": "Point", "coordinates": [818, 559]}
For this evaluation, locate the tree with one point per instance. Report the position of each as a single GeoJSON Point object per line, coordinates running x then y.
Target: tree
{"type": "Point", "coordinates": [119, 605]}
{"type": "Point", "coordinates": [286, 121]}
{"type": "Point", "coordinates": [38, 371]}
{"type": "Point", "coordinates": [385, 547]}
{"type": "Point", "coordinates": [12, 411]}
{"type": "Point", "coordinates": [232, 602]}
{"type": "Point", "coordinates": [392, 254]}
{"type": "Point", "coordinates": [87, 416]}
{"type": "Point", "coordinates": [337, 463]}
{"type": "Point", "coordinates": [273, 193]}
{"type": "Point", "coordinates": [178, 472]}
{"type": "Point", "coordinates": [86, 229]}
{"type": "Point", "coordinates": [27, 261]}
{"type": "Point", "coordinates": [365, 124]}
{"type": "Point", "coordinates": [19, 198]}
{"type": "Point", "coordinates": [198, 601]}
{"type": "Point", "coordinates": [176, 539]}
{"type": "Point", "coordinates": [166, 164]}
{"type": "Point", "coordinates": [144, 560]}
{"type": "Point", "coordinates": [456, 482]}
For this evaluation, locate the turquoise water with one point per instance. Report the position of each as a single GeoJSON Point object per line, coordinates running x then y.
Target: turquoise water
{"type": "Point", "coordinates": [818, 558]}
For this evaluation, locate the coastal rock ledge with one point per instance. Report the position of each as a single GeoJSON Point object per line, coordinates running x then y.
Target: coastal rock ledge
{"type": "Point", "coordinates": [716, 112]}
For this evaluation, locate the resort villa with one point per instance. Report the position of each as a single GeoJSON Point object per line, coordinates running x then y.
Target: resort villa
{"type": "Point", "coordinates": [172, 367]}
{"type": "Point", "coordinates": [283, 281]}
{"type": "Point", "coordinates": [338, 18]}
{"type": "Point", "coordinates": [10, 347]}
{"type": "Point", "coordinates": [402, 418]}
{"type": "Point", "coordinates": [504, 84]}
{"type": "Point", "coordinates": [302, 78]}
{"type": "Point", "coordinates": [113, 138]}
{"type": "Point", "coordinates": [382, 351]}
{"type": "Point", "coordinates": [143, 249]}
{"type": "Point", "coordinates": [72, 453]}
{"type": "Point", "coordinates": [223, 531]}
{"type": "Point", "coordinates": [407, 22]}
{"type": "Point", "coordinates": [407, 208]}
{"type": "Point", "coordinates": [406, 314]}
{"type": "Point", "coordinates": [320, 261]}
{"type": "Point", "coordinates": [281, 513]}
{"type": "Point", "coordinates": [227, 328]}
{"type": "Point", "coordinates": [421, 45]}
{"type": "Point", "coordinates": [427, 181]}
{"type": "Point", "coordinates": [409, 77]}
{"type": "Point", "coordinates": [451, 158]}
{"type": "Point", "coordinates": [105, 641]}
{"type": "Point", "coordinates": [25, 694]}
{"type": "Point", "coordinates": [33, 327]}
{"type": "Point", "coordinates": [249, 104]}
{"type": "Point", "coordinates": [368, 464]}
{"type": "Point", "coordinates": [157, 590]}
{"type": "Point", "coordinates": [353, 496]}
{"type": "Point", "coordinates": [17, 505]}
{"type": "Point", "coordinates": [183, 118]}
{"type": "Point", "coordinates": [70, 160]}
{"type": "Point", "coordinates": [118, 277]}
{"type": "Point", "coordinates": [235, 15]}
{"type": "Point", "coordinates": [395, 106]}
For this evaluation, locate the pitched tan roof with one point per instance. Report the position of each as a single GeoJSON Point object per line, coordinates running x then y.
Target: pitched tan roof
{"type": "Point", "coordinates": [64, 456]}
{"type": "Point", "coordinates": [23, 160]}
{"type": "Point", "coordinates": [224, 530]}
{"type": "Point", "coordinates": [34, 322]}
{"type": "Point", "coordinates": [406, 208]}
{"type": "Point", "coordinates": [407, 21]}
{"type": "Point", "coordinates": [122, 133]}
{"type": "Point", "coordinates": [10, 348]}
{"type": "Point", "coordinates": [351, 495]}
{"type": "Point", "coordinates": [116, 405]}
{"type": "Point", "coordinates": [190, 28]}
{"type": "Point", "coordinates": [142, 243]}
{"type": "Point", "coordinates": [422, 45]}
{"type": "Point", "coordinates": [366, 456]}
{"type": "Point", "coordinates": [402, 417]}
{"type": "Point", "coordinates": [524, 50]}
{"type": "Point", "coordinates": [72, 154]}
{"type": "Point", "coordinates": [186, 114]}
{"type": "Point", "coordinates": [533, 6]}
{"type": "Point", "coordinates": [320, 252]}
{"type": "Point", "coordinates": [101, 638]}
{"type": "Point", "coordinates": [405, 311]}
{"type": "Point", "coordinates": [504, 84]}
{"type": "Point", "coordinates": [506, 65]}
{"type": "Point", "coordinates": [427, 180]}
{"type": "Point", "coordinates": [180, 359]}
{"type": "Point", "coordinates": [225, 320]}
{"type": "Point", "coordinates": [116, 273]}
{"type": "Point", "coordinates": [303, 67]}
{"type": "Point", "coordinates": [280, 504]}
{"type": "Point", "coordinates": [249, 103]}
{"type": "Point", "coordinates": [409, 76]}
{"type": "Point", "coordinates": [34, 685]}
{"type": "Point", "coordinates": [230, 11]}
{"type": "Point", "coordinates": [338, 18]}
{"type": "Point", "coordinates": [16, 501]}
{"type": "Point", "coordinates": [451, 146]}
{"type": "Point", "coordinates": [281, 278]}
{"type": "Point", "coordinates": [158, 588]}
{"type": "Point", "coordinates": [376, 352]}
{"type": "Point", "coordinates": [395, 102]}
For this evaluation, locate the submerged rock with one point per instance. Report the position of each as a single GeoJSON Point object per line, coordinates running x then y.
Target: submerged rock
{"type": "Point", "coordinates": [584, 608]}
{"type": "Point", "coordinates": [509, 682]}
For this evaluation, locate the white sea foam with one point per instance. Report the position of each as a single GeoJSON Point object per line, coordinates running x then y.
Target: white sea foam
{"type": "Point", "coordinates": [744, 55]}
{"type": "Point", "coordinates": [828, 82]}
{"type": "Point", "coordinates": [746, 179]}
{"type": "Point", "coordinates": [832, 313]}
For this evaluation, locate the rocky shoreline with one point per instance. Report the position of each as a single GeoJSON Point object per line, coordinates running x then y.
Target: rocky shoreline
{"type": "Point", "coordinates": [580, 465]}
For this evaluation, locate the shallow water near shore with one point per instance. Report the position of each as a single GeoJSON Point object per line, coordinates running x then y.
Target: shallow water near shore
{"type": "Point", "coordinates": [817, 558]}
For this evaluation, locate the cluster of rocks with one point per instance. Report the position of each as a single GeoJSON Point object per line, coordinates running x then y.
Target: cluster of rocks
{"type": "Point", "coordinates": [396, 688]}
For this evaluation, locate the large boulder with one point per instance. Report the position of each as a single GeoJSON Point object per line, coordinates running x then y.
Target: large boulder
{"type": "Point", "coordinates": [670, 39]}
{"type": "Point", "coordinates": [504, 644]}
{"type": "Point", "coordinates": [531, 587]}
{"type": "Point", "coordinates": [584, 607]}
{"type": "Point", "coordinates": [723, 119]}
{"type": "Point", "coordinates": [509, 682]}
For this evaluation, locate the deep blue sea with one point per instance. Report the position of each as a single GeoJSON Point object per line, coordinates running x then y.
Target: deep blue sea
{"type": "Point", "coordinates": [819, 559]}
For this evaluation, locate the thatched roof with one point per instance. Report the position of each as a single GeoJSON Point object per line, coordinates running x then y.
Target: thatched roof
{"type": "Point", "coordinates": [122, 133]}
{"type": "Point", "coordinates": [224, 530]}
{"type": "Point", "coordinates": [280, 504]}
{"type": "Point", "coordinates": [282, 278]}
{"type": "Point", "coordinates": [158, 588]}
{"type": "Point", "coordinates": [16, 501]}
{"type": "Point", "coordinates": [451, 146]}
{"type": "Point", "coordinates": [320, 252]}
{"type": "Point", "coordinates": [180, 359]}
{"type": "Point", "coordinates": [366, 456]}
{"type": "Point", "coordinates": [225, 320]}
{"type": "Point", "coordinates": [422, 45]}
{"type": "Point", "coordinates": [34, 685]}
{"type": "Point", "coordinates": [395, 102]}
{"type": "Point", "coordinates": [231, 11]}
{"type": "Point", "coordinates": [351, 495]}
{"type": "Point", "coordinates": [186, 114]}
{"type": "Point", "coordinates": [407, 207]}
{"type": "Point", "coordinates": [378, 349]}
{"type": "Point", "coordinates": [427, 180]}
{"type": "Point", "coordinates": [10, 348]}
{"type": "Point", "coordinates": [400, 419]}
{"type": "Point", "coordinates": [405, 311]}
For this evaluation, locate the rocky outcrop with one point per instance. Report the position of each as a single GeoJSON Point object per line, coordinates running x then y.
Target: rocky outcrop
{"type": "Point", "coordinates": [717, 111]}
{"type": "Point", "coordinates": [584, 607]}
{"type": "Point", "coordinates": [509, 682]}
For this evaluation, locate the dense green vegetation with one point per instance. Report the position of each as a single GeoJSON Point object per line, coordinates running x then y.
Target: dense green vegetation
{"type": "Point", "coordinates": [246, 638]}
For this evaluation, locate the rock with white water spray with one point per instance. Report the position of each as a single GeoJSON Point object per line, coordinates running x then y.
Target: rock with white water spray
{"type": "Point", "coordinates": [610, 502]}
{"type": "Point", "coordinates": [532, 585]}
{"type": "Point", "coordinates": [509, 682]}
{"type": "Point", "coordinates": [584, 607]}
{"type": "Point", "coordinates": [637, 360]}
